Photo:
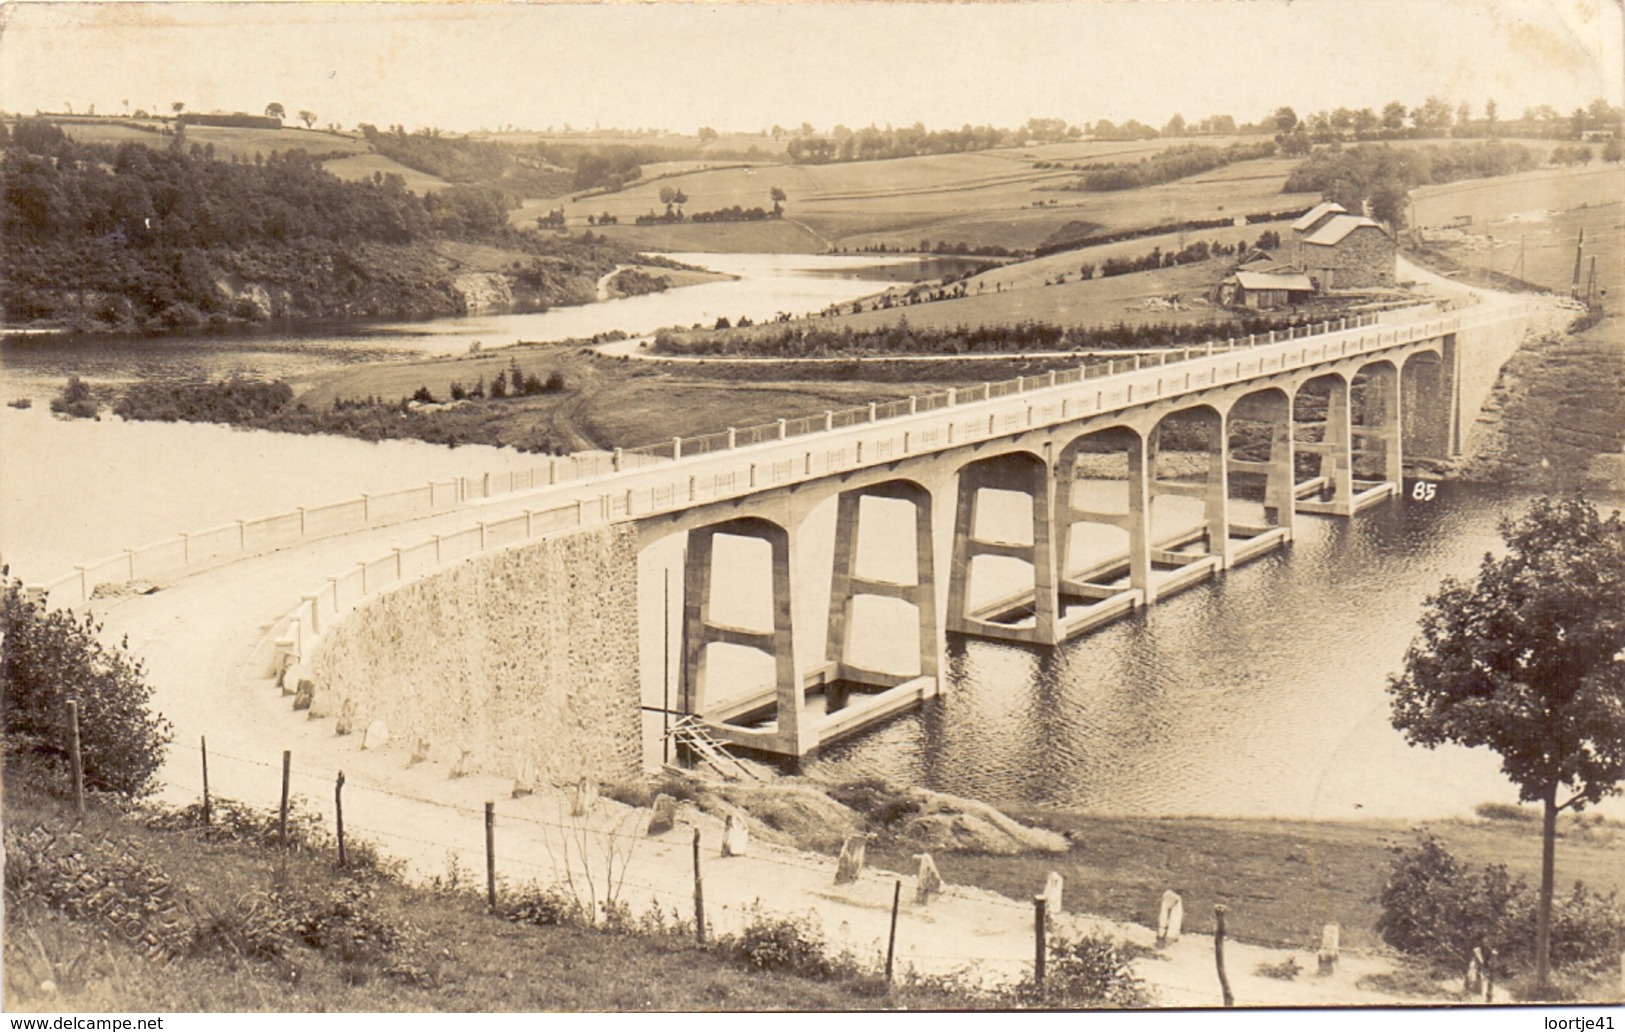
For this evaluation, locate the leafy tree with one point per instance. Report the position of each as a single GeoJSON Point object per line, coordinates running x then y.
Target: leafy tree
{"type": "Point", "coordinates": [1285, 119]}
{"type": "Point", "coordinates": [307, 117]}
{"type": "Point", "coordinates": [275, 110]}
{"type": "Point", "coordinates": [48, 656]}
{"type": "Point", "coordinates": [1433, 118]}
{"type": "Point", "coordinates": [1393, 116]}
{"type": "Point", "coordinates": [177, 106]}
{"type": "Point", "coordinates": [1529, 660]}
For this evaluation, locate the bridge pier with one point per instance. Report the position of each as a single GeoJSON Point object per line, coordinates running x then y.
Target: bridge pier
{"type": "Point", "coordinates": [1213, 491]}
{"type": "Point", "coordinates": [785, 734]}
{"type": "Point", "coordinates": [846, 584]}
{"type": "Point", "coordinates": [1272, 408]}
{"type": "Point", "coordinates": [1335, 485]}
{"type": "Point", "coordinates": [1379, 432]}
{"type": "Point", "coordinates": [1100, 585]}
{"type": "Point", "coordinates": [1022, 473]}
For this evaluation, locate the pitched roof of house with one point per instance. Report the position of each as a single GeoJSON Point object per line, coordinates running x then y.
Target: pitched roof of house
{"type": "Point", "coordinates": [1282, 280]}
{"type": "Point", "coordinates": [1340, 227]}
{"type": "Point", "coordinates": [1318, 212]}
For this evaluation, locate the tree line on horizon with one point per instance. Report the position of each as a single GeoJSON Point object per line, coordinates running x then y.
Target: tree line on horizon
{"type": "Point", "coordinates": [1435, 117]}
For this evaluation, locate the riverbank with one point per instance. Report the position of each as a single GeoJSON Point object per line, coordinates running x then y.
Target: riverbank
{"type": "Point", "coordinates": [1555, 420]}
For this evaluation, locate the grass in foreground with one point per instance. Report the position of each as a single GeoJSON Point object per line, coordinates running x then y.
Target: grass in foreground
{"type": "Point", "coordinates": [462, 958]}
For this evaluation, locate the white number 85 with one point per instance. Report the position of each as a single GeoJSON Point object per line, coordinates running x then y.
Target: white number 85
{"type": "Point", "coordinates": [1424, 491]}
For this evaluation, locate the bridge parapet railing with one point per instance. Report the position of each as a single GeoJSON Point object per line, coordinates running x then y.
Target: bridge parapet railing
{"type": "Point", "coordinates": [243, 538]}
{"type": "Point", "coordinates": [972, 394]}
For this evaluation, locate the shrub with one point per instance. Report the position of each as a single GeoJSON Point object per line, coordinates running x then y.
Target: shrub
{"type": "Point", "coordinates": [1093, 970]}
{"type": "Point", "coordinates": [1505, 812]}
{"type": "Point", "coordinates": [875, 799]}
{"type": "Point", "coordinates": [50, 656]}
{"type": "Point", "coordinates": [632, 793]}
{"type": "Point", "coordinates": [20, 403]}
{"type": "Point", "coordinates": [553, 905]}
{"type": "Point", "coordinates": [1434, 906]}
{"type": "Point", "coordinates": [777, 943]}
{"type": "Point", "coordinates": [684, 790]}
{"type": "Point", "coordinates": [1285, 971]}
{"type": "Point", "coordinates": [75, 400]}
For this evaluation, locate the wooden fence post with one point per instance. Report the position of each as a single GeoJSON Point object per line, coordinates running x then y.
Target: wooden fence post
{"type": "Point", "coordinates": [699, 894]}
{"type": "Point", "coordinates": [75, 759]}
{"type": "Point", "coordinates": [891, 939]}
{"type": "Point", "coordinates": [1039, 903]}
{"type": "Point", "coordinates": [338, 817]}
{"type": "Point", "coordinates": [1218, 954]}
{"type": "Point", "coordinates": [282, 820]}
{"type": "Point", "coordinates": [490, 854]}
{"type": "Point", "coordinates": [203, 744]}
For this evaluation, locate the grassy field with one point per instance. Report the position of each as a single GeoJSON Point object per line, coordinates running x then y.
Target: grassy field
{"type": "Point", "coordinates": [228, 143]}
{"type": "Point", "coordinates": [1492, 200]}
{"type": "Point", "coordinates": [1281, 880]}
{"type": "Point", "coordinates": [981, 198]}
{"type": "Point", "coordinates": [772, 236]}
{"type": "Point", "coordinates": [1541, 249]}
{"type": "Point", "coordinates": [609, 403]}
{"type": "Point", "coordinates": [725, 142]}
{"type": "Point", "coordinates": [364, 166]}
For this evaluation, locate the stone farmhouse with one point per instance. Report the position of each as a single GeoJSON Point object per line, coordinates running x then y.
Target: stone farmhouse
{"type": "Point", "coordinates": [1339, 251]}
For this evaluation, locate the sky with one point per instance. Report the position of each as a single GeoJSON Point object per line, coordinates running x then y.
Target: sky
{"type": "Point", "coordinates": [747, 66]}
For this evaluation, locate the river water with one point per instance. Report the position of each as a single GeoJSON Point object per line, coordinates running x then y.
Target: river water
{"type": "Point", "coordinates": [1260, 694]}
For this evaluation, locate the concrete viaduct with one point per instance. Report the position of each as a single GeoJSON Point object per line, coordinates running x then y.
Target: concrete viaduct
{"type": "Point", "coordinates": [1267, 429]}
{"type": "Point", "coordinates": [939, 464]}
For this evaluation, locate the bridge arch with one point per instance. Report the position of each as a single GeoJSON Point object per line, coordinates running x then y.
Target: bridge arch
{"type": "Point", "coordinates": [856, 584]}
{"type": "Point", "coordinates": [1022, 472]}
{"type": "Point", "coordinates": [1258, 438]}
{"type": "Point", "coordinates": [703, 630]}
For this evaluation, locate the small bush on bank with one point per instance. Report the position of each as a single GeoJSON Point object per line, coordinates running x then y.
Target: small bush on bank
{"type": "Point", "coordinates": [75, 400]}
{"type": "Point", "coordinates": [876, 800]}
{"type": "Point", "coordinates": [1435, 907]}
{"type": "Point", "coordinates": [631, 793]}
{"type": "Point", "coordinates": [772, 942]}
{"type": "Point", "coordinates": [1285, 970]}
{"type": "Point", "coordinates": [49, 656]}
{"type": "Point", "coordinates": [536, 905]}
{"type": "Point", "coordinates": [1093, 970]}
{"type": "Point", "coordinates": [1505, 812]}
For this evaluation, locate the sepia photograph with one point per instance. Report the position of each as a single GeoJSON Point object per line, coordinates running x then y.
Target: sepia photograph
{"type": "Point", "coordinates": [808, 506]}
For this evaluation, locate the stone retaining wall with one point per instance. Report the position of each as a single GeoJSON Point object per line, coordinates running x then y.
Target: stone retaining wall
{"type": "Point", "coordinates": [520, 662]}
